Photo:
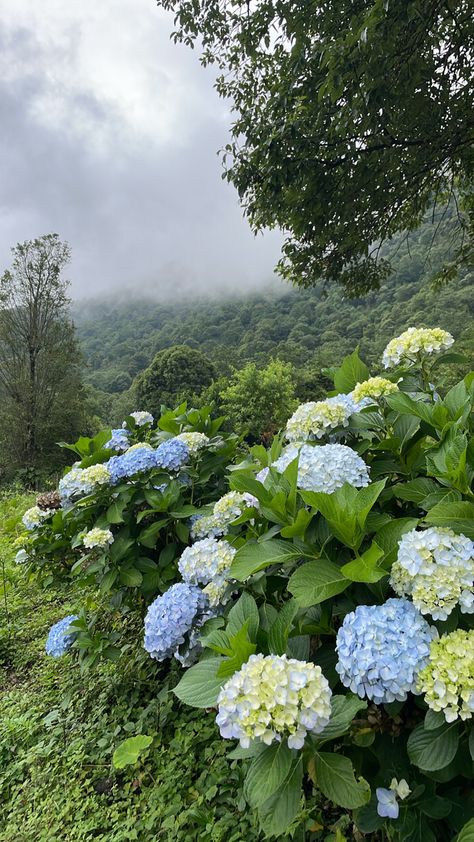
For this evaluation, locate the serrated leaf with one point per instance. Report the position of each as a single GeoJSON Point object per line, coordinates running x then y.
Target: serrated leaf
{"type": "Point", "coordinates": [457, 516]}
{"type": "Point", "coordinates": [267, 773]}
{"type": "Point", "coordinates": [200, 685]}
{"type": "Point", "coordinates": [351, 372]}
{"type": "Point", "coordinates": [281, 627]}
{"type": "Point", "coordinates": [276, 814]}
{"type": "Point", "coordinates": [253, 557]}
{"type": "Point", "coordinates": [433, 750]}
{"type": "Point", "coordinates": [244, 611]}
{"type": "Point", "coordinates": [334, 776]}
{"type": "Point", "coordinates": [343, 710]}
{"type": "Point", "coordinates": [316, 581]}
{"type": "Point", "coordinates": [365, 568]}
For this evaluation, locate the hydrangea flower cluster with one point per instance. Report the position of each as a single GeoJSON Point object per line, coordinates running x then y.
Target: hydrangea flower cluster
{"type": "Point", "coordinates": [171, 617]}
{"type": "Point", "coordinates": [140, 418]}
{"type": "Point", "coordinates": [314, 419]}
{"type": "Point", "coordinates": [98, 538]}
{"type": "Point", "coordinates": [325, 468]}
{"type": "Point", "coordinates": [208, 562]}
{"type": "Point", "coordinates": [415, 342]}
{"type": "Point", "coordinates": [447, 680]}
{"type": "Point", "coordinates": [381, 650]}
{"type": "Point", "coordinates": [119, 440]}
{"type": "Point", "coordinates": [387, 804]}
{"type": "Point", "coordinates": [372, 389]}
{"type": "Point", "coordinates": [21, 557]}
{"type": "Point", "coordinates": [227, 509]}
{"type": "Point", "coordinates": [272, 697]}
{"type": "Point", "coordinates": [59, 638]}
{"type": "Point", "coordinates": [35, 516]}
{"type": "Point", "coordinates": [172, 454]}
{"type": "Point", "coordinates": [137, 459]}
{"type": "Point", "coordinates": [80, 482]}
{"type": "Point", "coordinates": [436, 568]}
{"type": "Point", "coordinates": [193, 441]}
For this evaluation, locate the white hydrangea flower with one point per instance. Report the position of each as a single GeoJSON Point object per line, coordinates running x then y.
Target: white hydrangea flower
{"type": "Point", "coordinates": [230, 507]}
{"type": "Point", "coordinates": [98, 538]}
{"type": "Point", "coordinates": [435, 567]}
{"type": "Point", "coordinates": [272, 697]}
{"type": "Point", "coordinates": [372, 389]}
{"type": "Point", "coordinates": [314, 419]}
{"type": "Point", "coordinates": [216, 591]}
{"type": "Point", "coordinates": [415, 342]}
{"type": "Point", "coordinates": [205, 561]}
{"type": "Point", "coordinates": [194, 441]}
{"type": "Point", "coordinates": [325, 468]}
{"type": "Point", "coordinates": [140, 418]}
{"type": "Point", "coordinates": [21, 557]}
{"type": "Point", "coordinates": [35, 516]}
{"type": "Point", "coordinates": [448, 678]}
{"type": "Point", "coordinates": [401, 788]}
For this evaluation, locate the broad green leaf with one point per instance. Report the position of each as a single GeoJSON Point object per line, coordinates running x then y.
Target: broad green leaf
{"type": "Point", "coordinates": [351, 372]}
{"type": "Point", "coordinates": [267, 773]}
{"type": "Point", "coordinates": [200, 685]}
{"type": "Point", "coordinates": [316, 581]}
{"type": "Point", "coordinates": [365, 568]}
{"type": "Point", "coordinates": [457, 516]}
{"type": "Point", "coordinates": [108, 580]}
{"type": "Point", "coordinates": [276, 814]}
{"type": "Point", "coordinates": [253, 557]}
{"type": "Point", "coordinates": [281, 627]}
{"type": "Point", "coordinates": [131, 577]}
{"type": "Point", "coordinates": [346, 510]}
{"type": "Point", "coordinates": [416, 490]}
{"type": "Point", "coordinates": [433, 720]}
{"type": "Point", "coordinates": [240, 649]}
{"type": "Point", "coordinates": [128, 752]}
{"type": "Point", "coordinates": [388, 536]}
{"type": "Point", "coordinates": [334, 776]}
{"type": "Point", "coordinates": [433, 414]}
{"type": "Point", "coordinates": [466, 834]}
{"type": "Point", "coordinates": [432, 750]}
{"type": "Point", "coordinates": [244, 611]}
{"type": "Point", "coordinates": [343, 711]}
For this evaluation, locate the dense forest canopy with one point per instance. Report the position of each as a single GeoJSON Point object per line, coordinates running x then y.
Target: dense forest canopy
{"type": "Point", "coordinates": [349, 117]}
{"type": "Point", "coordinates": [309, 328]}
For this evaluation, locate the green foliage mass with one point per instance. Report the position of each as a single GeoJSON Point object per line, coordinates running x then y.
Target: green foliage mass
{"type": "Point", "coordinates": [309, 328]}
{"type": "Point", "coordinates": [175, 374]}
{"type": "Point", "coordinates": [349, 117]}
{"type": "Point", "coordinates": [258, 401]}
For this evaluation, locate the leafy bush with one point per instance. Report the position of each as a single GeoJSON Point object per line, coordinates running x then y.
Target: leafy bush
{"type": "Point", "coordinates": [334, 627]}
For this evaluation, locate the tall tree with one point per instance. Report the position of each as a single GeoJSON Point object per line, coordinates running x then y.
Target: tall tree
{"type": "Point", "coordinates": [352, 116]}
{"type": "Point", "coordinates": [177, 373]}
{"type": "Point", "coordinates": [40, 381]}
{"type": "Point", "coordinates": [258, 401]}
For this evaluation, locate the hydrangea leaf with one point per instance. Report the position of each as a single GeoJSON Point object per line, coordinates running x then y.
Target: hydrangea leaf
{"type": "Point", "coordinates": [316, 581]}
{"type": "Point", "coordinates": [244, 611]}
{"type": "Point", "coordinates": [432, 750]}
{"type": "Point", "coordinates": [281, 627]}
{"type": "Point", "coordinates": [277, 813]}
{"type": "Point", "coordinates": [200, 685]}
{"type": "Point", "coordinates": [351, 372]}
{"type": "Point", "coordinates": [343, 708]}
{"type": "Point", "coordinates": [334, 776]}
{"type": "Point", "coordinates": [267, 772]}
{"type": "Point", "coordinates": [365, 568]}
{"type": "Point", "coordinates": [457, 516]}
{"type": "Point", "coordinates": [466, 834]}
{"type": "Point", "coordinates": [253, 557]}
{"type": "Point", "coordinates": [128, 752]}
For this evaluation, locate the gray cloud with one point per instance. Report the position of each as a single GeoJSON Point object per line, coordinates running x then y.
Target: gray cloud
{"type": "Point", "coordinates": [109, 138]}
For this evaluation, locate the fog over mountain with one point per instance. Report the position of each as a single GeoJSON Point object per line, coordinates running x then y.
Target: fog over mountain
{"type": "Point", "coordinates": [109, 138]}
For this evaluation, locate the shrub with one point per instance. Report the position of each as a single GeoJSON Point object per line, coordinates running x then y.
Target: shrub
{"type": "Point", "coordinates": [325, 608]}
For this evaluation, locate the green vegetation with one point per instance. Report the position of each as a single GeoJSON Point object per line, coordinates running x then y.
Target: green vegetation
{"type": "Point", "coordinates": [349, 117]}
{"type": "Point", "coordinates": [176, 374]}
{"type": "Point", "coordinates": [59, 729]}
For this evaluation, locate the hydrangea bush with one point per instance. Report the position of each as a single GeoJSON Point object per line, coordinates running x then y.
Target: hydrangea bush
{"type": "Point", "coordinates": [322, 589]}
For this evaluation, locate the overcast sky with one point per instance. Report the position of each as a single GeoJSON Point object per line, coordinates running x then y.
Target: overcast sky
{"type": "Point", "coordinates": [109, 134]}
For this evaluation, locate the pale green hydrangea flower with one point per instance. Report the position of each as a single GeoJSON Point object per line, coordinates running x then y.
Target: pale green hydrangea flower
{"type": "Point", "coordinates": [414, 343]}
{"type": "Point", "coordinates": [97, 538]}
{"type": "Point", "coordinates": [373, 389]}
{"type": "Point", "coordinates": [194, 441]}
{"type": "Point", "coordinates": [448, 678]}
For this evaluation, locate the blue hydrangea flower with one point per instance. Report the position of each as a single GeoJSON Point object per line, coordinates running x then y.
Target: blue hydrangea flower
{"type": "Point", "coordinates": [134, 461]}
{"type": "Point", "coordinates": [172, 454]}
{"type": "Point", "coordinates": [119, 440]}
{"type": "Point", "coordinates": [171, 617]}
{"type": "Point", "coordinates": [59, 640]}
{"type": "Point", "coordinates": [387, 805]}
{"type": "Point", "coordinates": [382, 648]}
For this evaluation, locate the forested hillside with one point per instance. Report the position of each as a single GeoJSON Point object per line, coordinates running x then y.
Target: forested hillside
{"type": "Point", "coordinates": [314, 327]}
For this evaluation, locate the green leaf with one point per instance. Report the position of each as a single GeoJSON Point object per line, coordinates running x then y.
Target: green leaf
{"type": "Point", "coordinates": [277, 813]}
{"type": "Point", "coordinates": [466, 834]}
{"type": "Point", "coordinates": [253, 557]}
{"type": "Point", "coordinates": [471, 743]}
{"type": "Point", "coordinates": [128, 752]}
{"type": "Point", "coordinates": [267, 773]}
{"type": "Point", "coordinates": [364, 568]}
{"type": "Point", "coordinates": [316, 581]}
{"type": "Point", "coordinates": [343, 710]}
{"type": "Point", "coordinates": [131, 577]}
{"type": "Point", "coordinates": [351, 372]}
{"type": "Point", "coordinates": [334, 776]}
{"type": "Point", "coordinates": [457, 516]}
{"type": "Point", "coordinates": [416, 490]}
{"type": "Point", "coordinates": [239, 651]}
{"type": "Point", "coordinates": [281, 627]}
{"type": "Point", "coordinates": [244, 611]}
{"type": "Point", "coordinates": [432, 750]}
{"type": "Point", "coordinates": [433, 720]}
{"type": "Point", "coordinates": [346, 510]}
{"type": "Point", "coordinates": [200, 685]}
{"type": "Point", "coordinates": [108, 580]}
{"type": "Point", "coordinates": [114, 513]}
{"type": "Point", "coordinates": [388, 536]}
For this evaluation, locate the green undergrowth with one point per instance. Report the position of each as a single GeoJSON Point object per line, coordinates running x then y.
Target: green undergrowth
{"type": "Point", "coordinates": [59, 729]}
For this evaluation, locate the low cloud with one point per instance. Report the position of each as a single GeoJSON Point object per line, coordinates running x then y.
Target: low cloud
{"type": "Point", "coordinates": [109, 138]}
